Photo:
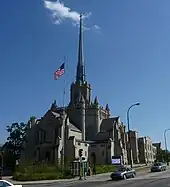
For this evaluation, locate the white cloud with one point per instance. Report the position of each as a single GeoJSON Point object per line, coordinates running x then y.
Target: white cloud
{"type": "Point", "coordinates": [60, 13]}
{"type": "Point", "coordinates": [95, 28]}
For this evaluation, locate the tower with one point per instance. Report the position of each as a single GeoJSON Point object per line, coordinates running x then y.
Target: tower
{"type": "Point", "coordinates": [82, 116]}
{"type": "Point", "coordinates": [97, 114]}
{"type": "Point", "coordinates": [80, 75]}
{"type": "Point", "coordinates": [80, 85]}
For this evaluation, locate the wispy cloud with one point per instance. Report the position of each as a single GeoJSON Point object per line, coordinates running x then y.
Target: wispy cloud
{"type": "Point", "coordinates": [60, 13]}
{"type": "Point", "coordinates": [94, 28]}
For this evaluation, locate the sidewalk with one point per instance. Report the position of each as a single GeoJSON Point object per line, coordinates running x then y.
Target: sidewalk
{"type": "Point", "coordinates": [102, 176]}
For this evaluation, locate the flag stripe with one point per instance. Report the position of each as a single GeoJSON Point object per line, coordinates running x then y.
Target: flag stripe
{"type": "Point", "coordinates": [59, 72]}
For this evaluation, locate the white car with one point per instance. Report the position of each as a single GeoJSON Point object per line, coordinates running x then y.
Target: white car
{"type": "Point", "coordinates": [4, 183]}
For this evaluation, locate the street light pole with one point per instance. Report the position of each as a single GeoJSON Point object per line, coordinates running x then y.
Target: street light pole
{"type": "Point", "coordinates": [129, 138]}
{"type": "Point", "coordinates": [166, 147]}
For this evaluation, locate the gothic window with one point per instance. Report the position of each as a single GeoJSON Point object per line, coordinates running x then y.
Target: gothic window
{"type": "Point", "coordinates": [47, 156]}
{"type": "Point", "coordinates": [48, 133]}
{"type": "Point", "coordinates": [103, 153]}
{"type": "Point", "coordinates": [84, 95]}
{"type": "Point", "coordinates": [37, 137]}
{"type": "Point", "coordinates": [55, 135]}
{"type": "Point", "coordinates": [40, 136]}
{"type": "Point", "coordinates": [59, 132]}
{"type": "Point", "coordinates": [93, 145]}
{"type": "Point", "coordinates": [44, 136]}
{"type": "Point", "coordinates": [34, 153]}
{"type": "Point", "coordinates": [77, 97]}
{"type": "Point", "coordinates": [109, 147]}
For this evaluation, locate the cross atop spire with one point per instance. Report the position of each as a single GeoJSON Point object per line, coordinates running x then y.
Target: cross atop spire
{"type": "Point", "coordinates": [80, 77]}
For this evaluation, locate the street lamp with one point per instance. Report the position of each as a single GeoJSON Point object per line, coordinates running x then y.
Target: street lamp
{"type": "Point", "coordinates": [166, 149]}
{"type": "Point", "coordinates": [129, 138]}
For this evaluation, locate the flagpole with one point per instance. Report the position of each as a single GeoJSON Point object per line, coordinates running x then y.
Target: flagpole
{"type": "Point", "coordinates": [64, 110]}
{"type": "Point", "coordinates": [64, 93]}
{"type": "Point", "coordinates": [60, 71]}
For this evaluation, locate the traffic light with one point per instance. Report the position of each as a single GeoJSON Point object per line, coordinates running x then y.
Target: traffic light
{"type": "Point", "coordinates": [80, 152]}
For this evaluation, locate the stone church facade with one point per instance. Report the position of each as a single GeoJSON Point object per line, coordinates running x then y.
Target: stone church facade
{"type": "Point", "coordinates": [83, 124]}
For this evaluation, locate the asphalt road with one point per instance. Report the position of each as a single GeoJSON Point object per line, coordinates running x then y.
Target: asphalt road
{"type": "Point", "coordinates": [160, 179]}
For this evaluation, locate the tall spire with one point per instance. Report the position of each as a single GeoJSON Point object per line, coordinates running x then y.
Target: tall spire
{"type": "Point", "coordinates": [80, 77]}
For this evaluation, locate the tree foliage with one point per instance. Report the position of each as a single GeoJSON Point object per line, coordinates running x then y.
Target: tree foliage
{"type": "Point", "coordinates": [32, 118]}
{"type": "Point", "coordinates": [16, 138]}
{"type": "Point", "coordinates": [163, 156]}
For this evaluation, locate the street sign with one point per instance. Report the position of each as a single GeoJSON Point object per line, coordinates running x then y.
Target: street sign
{"type": "Point", "coordinates": [116, 160]}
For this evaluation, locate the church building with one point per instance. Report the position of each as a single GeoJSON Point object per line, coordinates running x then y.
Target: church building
{"type": "Point", "coordinates": [83, 124]}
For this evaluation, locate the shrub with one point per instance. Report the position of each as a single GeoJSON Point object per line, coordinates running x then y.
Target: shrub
{"type": "Point", "coordinates": [40, 172]}
{"type": "Point", "coordinates": [105, 168]}
{"type": "Point", "coordinates": [35, 176]}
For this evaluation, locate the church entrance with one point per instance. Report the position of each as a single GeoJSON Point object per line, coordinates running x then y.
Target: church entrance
{"type": "Point", "coordinates": [93, 162]}
{"type": "Point", "coordinates": [47, 156]}
{"type": "Point", "coordinates": [93, 159]}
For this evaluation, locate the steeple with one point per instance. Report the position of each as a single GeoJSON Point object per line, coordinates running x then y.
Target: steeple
{"type": "Point", "coordinates": [80, 77]}
{"type": "Point", "coordinates": [54, 105]}
{"type": "Point", "coordinates": [96, 101]}
{"type": "Point", "coordinates": [80, 85]}
{"type": "Point", "coordinates": [107, 108]}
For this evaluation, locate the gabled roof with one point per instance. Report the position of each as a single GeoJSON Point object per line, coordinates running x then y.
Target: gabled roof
{"type": "Point", "coordinates": [52, 113]}
{"type": "Point", "coordinates": [107, 124]}
{"type": "Point", "coordinates": [102, 136]}
{"type": "Point", "coordinates": [55, 114]}
{"type": "Point", "coordinates": [73, 128]}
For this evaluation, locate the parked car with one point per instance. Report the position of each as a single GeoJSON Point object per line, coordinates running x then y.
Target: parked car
{"type": "Point", "coordinates": [159, 166]}
{"type": "Point", "coordinates": [123, 173]}
{"type": "Point", "coordinates": [4, 183]}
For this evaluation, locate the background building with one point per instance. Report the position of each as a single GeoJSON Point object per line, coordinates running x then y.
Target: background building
{"type": "Point", "coordinates": [134, 146]}
{"type": "Point", "coordinates": [146, 154]}
{"type": "Point", "coordinates": [154, 152]}
{"type": "Point", "coordinates": [158, 147]}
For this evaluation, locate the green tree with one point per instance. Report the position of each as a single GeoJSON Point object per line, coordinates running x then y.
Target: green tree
{"type": "Point", "coordinates": [163, 155]}
{"type": "Point", "coordinates": [8, 159]}
{"type": "Point", "coordinates": [32, 118]}
{"type": "Point", "coordinates": [16, 138]}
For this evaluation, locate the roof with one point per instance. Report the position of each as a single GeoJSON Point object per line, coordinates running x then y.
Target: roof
{"type": "Point", "coordinates": [107, 124]}
{"type": "Point", "coordinates": [102, 136]}
{"type": "Point", "coordinates": [55, 114]}
{"type": "Point", "coordinates": [73, 128]}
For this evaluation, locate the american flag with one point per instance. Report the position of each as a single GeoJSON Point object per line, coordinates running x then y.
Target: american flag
{"type": "Point", "coordinates": [59, 72]}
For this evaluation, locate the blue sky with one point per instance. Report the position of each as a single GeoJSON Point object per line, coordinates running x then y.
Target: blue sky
{"type": "Point", "coordinates": [127, 59]}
